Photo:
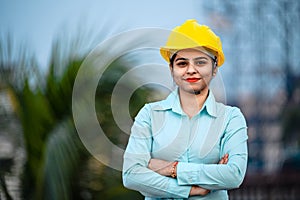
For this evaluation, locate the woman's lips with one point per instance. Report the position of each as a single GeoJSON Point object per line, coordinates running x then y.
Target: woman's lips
{"type": "Point", "coordinates": [192, 80]}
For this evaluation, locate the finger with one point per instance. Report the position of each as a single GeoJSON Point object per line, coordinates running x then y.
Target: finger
{"type": "Point", "coordinates": [225, 161]}
{"type": "Point", "coordinates": [226, 158]}
{"type": "Point", "coordinates": [221, 161]}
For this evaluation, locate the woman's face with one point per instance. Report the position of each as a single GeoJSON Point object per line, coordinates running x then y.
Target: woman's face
{"type": "Point", "coordinates": [192, 70]}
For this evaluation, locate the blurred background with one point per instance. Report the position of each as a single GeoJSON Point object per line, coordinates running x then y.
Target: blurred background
{"type": "Point", "coordinates": [43, 44]}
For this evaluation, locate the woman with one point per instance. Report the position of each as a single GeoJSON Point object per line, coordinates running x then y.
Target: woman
{"type": "Point", "coordinates": [188, 146]}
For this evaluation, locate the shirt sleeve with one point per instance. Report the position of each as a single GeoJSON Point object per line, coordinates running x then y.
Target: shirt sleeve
{"type": "Point", "coordinates": [221, 176]}
{"type": "Point", "coordinates": [135, 173]}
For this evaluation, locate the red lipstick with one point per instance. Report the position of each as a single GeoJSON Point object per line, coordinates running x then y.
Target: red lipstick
{"type": "Point", "coordinates": [192, 80]}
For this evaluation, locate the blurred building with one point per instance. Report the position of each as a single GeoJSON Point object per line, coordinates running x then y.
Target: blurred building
{"type": "Point", "coordinates": [12, 154]}
{"type": "Point", "coordinates": [261, 43]}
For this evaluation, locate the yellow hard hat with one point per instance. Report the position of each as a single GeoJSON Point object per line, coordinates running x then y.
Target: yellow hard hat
{"type": "Point", "coordinates": [191, 35]}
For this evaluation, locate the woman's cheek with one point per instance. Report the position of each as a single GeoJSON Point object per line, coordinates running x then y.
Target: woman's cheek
{"type": "Point", "coordinates": [205, 72]}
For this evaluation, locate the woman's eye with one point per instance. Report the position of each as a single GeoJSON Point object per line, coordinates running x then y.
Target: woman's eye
{"type": "Point", "coordinates": [200, 63]}
{"type": "Point", "coordinates": [182, 64]}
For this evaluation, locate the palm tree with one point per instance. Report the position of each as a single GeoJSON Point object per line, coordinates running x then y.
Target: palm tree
{"type": "Point", "coordinates": [57, 165]}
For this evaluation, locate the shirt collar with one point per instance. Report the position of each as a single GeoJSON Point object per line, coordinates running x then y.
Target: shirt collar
{"type": "Point", "coordinates": [172, 102]}
{"type": "Point", "coordinates": [211, 105]}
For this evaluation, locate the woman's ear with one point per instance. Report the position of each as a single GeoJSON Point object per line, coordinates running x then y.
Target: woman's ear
{"type": "Point", "coordinates": [215, 70]}
{"type": "Point", "coordinates": [171, 68]}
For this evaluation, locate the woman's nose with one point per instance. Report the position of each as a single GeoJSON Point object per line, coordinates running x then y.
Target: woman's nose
{"type": "Point", "coordinates": [191, 69]}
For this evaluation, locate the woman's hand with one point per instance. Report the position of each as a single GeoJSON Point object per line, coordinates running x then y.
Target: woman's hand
{"type": "Point", "coordinates": [160, 166]}
{"type": "Point", "coordinates": [198, 191]}
{"type": "Point", "coordinates": [224, 159]}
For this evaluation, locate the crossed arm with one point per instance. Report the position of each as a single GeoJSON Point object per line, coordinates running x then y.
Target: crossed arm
{"type": "Point", "coordinates": [152, 177]}
{"type": "Point", "coordinates": [166, 168]}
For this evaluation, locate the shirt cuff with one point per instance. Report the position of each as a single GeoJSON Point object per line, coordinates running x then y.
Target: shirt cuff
{"type": "Point", "coordinates": [188, 173]}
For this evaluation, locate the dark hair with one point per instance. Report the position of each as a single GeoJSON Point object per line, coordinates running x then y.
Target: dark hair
{"type": "Point", "coordinates": [172, 59]}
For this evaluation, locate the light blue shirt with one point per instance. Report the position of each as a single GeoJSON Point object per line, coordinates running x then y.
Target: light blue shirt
{"type": "Point", "coordinates": [162, 130]}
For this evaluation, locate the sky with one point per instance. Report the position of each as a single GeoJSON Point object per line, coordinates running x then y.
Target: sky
{"type": "Point", "coordinates": [38, 23]}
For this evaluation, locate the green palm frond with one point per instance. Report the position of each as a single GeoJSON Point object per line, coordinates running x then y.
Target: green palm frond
{"type": "Point", "coordinates": [57, 166]}
{"type": "Point", "coordinates": [36, 118]}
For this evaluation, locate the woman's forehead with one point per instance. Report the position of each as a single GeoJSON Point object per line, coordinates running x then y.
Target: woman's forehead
{"type": "Point", "coordinates": [191, 53]}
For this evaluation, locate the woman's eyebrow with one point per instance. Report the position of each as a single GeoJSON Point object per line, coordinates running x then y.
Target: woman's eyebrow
{"type": "Point", "coordinates": [181, 59]}
{"type": "Point", "coordinates": [199, 58]}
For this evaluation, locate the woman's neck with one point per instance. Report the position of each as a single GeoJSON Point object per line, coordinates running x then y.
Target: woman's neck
{"type": "Point", "coordinates": [192, 103]}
